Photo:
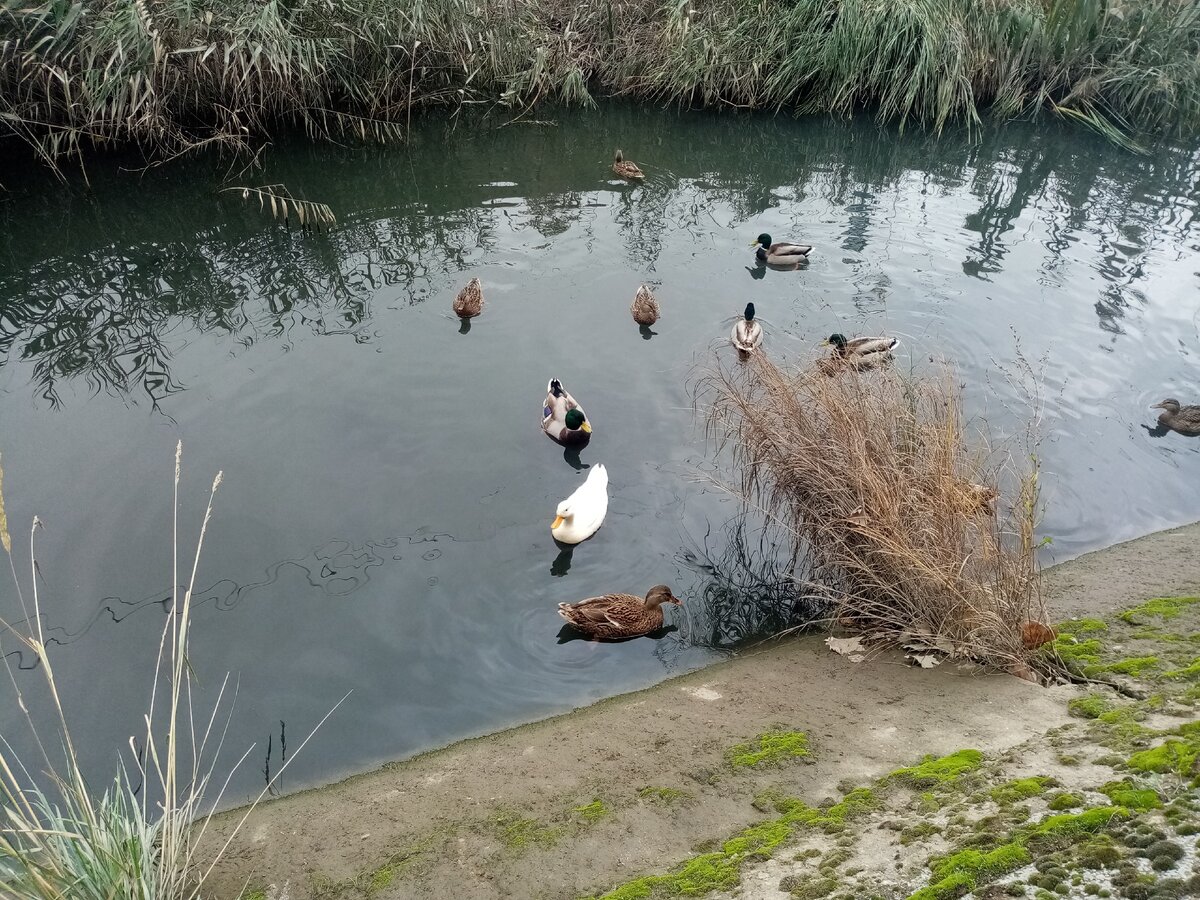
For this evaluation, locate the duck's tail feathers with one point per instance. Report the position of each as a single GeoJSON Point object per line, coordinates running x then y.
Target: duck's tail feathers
{"type": "Point", "coordinates": [894, 344]}
{"type": "Point", "coordinates": [554, 387]}
{"type": "Point", "coordinates": [599, 473]}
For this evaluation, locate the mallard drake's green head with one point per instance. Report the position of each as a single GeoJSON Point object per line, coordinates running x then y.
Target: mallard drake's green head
{"type": "Point", "coordinates": [763, 239]}
{"type": "Point", "coordinates": [748, 315]}
{"type": "Point", "coordinates": [576, 421]}
{"type": "Point", "coordinates": [838, 341]}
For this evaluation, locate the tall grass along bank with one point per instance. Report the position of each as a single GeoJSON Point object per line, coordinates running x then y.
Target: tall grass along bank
{"type": "Point", "coordinates": [913, 529]}
{"type": "Point", "coordinates": [173, 75]}
{"type": "Point", "coordinates": [136, 838]}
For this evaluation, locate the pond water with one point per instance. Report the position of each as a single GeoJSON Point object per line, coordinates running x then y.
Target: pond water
{"type": "Point", "coordinates": [383, 527]}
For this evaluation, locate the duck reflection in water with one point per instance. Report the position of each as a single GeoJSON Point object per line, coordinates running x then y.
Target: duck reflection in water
{"type": "Point", "coordinates": [562, 563]}
{"type": "Point", "coordinates": [571, 455]}
{"type": "Point", "coordinates": [569, 633]}
{"type": "Point", "coordinates": [464, 326]}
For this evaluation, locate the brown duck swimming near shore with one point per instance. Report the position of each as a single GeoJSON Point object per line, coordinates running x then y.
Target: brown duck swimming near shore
{"type": "Point", "coordinates": [626, 169]}
{"type": "Point", "coordinates": [616, 616]}
{"type": "Point", "coordinates": [644, 307]}
{"type": "Point", "coordinates": [1184, 419]}
{"type": "Point", "coordinates": [469, 302]}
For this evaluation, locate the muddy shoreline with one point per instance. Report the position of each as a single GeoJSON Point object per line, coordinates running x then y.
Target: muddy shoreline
{"type": "Point", "coordinates": [574, 805]}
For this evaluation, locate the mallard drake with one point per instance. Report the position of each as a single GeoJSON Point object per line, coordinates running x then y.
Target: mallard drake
{"type": "Point", "coordinates": [615, 616]}
{"type": "Point", "coordinates": [1184, 419]}
{"type": "Point", "coordinates": [860, 352]}
{"type": "Point", "coordinates": [783, 253]}
{"type": "Point", "coordinates": [625, 168]}
{"type": "Point", "coordinates": [469, 302]}
{"type": "Point", "coordinates": [562, 418]}
{"type": "Point", "coordinates": [581, 515]}
{"type": "Point", "coordinates": [644, 307]}
{"type": "Point", "coordinates": [746, 334]}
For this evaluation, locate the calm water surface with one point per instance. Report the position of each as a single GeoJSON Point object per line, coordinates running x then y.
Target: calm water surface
{"type": "Point", "coordinates": [384, 522]}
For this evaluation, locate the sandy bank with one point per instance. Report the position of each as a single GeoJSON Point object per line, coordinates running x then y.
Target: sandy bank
{"type": "Point", "coordinates": [569, 805]}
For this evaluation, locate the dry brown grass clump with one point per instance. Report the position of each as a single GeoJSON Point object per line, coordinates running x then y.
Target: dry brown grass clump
{"type": "Point", "coordinates": [895, 508]}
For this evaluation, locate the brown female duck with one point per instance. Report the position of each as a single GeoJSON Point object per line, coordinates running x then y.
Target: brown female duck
{"type": "Point", "coordinates": [644, 307]}
{"type": "Point", "coordinates": [1184, 419]}
{"type": "Point", "coordinates": [469, 302]}
{"type": "Point", "coordinates": [625, 168]}
{"type": "Point", "coordinates": [616, 616]}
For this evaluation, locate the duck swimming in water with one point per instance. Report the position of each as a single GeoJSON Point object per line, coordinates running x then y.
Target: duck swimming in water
{"type": "Point", "coordinates": [747, 334]}
{"type": "Point", "coordinates": [616, 616]}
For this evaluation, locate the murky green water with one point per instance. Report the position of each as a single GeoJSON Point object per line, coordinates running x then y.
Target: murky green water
{"type": "Point", "coordinates": [384, 523]}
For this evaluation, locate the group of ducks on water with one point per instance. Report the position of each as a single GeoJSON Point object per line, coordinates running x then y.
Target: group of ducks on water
{"type": "Point", "coordinates": [620, 616]}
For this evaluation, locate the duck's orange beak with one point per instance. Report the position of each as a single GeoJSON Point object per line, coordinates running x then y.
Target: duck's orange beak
{"type": "Point", "coordinates": [558, 520]}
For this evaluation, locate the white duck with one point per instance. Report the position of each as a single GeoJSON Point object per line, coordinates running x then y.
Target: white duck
{"type": "Point", "coordinates": [581, 515]}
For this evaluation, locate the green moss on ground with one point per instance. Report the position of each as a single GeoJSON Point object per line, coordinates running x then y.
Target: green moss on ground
{"type": "Point", "coordinates": [1072, 650]}
{"type": "Point", "coordinates": [1134, 666]}
{"type": "Point", "coordinates": [257, 894]}
{"type": "Point", "coordinates": [981, 865]}
{"type": "Point", "coordinates": [1066, 828]}
{"type": "Point", "coordinates": [1021, 789]}
{"type": "Point", "coordinates": [1158, 608]}
{"type": "Point", "coordinates": [771, 748]}
{"type": "Point", "coordinates": [758, 840]}
{"type": "Point", "coordinates": [1190, 672]}
{"type": "Point", "coordinates": [695, 878]}
{"type": "Point", "coordinates": [665, 795]}
{"type": "Point", "coordinates": [1082, 626]}
{"type": "Point", "coordinates": [939, 771]}
{"type": "Point", "coordinates": [1126, 794]}
{"type": "Point", "coordinates": [919, 832]}
{"type": "Point", "coordinates": [593, 812]}
{"type": "Point", "coordinates": [519, 833]}
{"type": "Point", "coordinates": [1065, 800]}
{"type": "Point", "coordinates": [1093, 706]}
{"type": "Point", "coordinates": [1171, 756]}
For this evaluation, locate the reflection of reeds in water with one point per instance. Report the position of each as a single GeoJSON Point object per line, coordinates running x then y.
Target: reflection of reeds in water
{"type": "Point", "coordinates": [873, 478]}
{"type": "Point", "coordinates": [746, 589]}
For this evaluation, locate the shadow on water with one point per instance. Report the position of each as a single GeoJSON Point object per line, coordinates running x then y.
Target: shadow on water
{"type": "Point", "coordinates": [114, 313]}
{"type": "Point", "coordinates": [464, 326]}
{"type": "Point", "coordinates": [745, 587]}
{"type": "Point", "coordinates": [562, 563]}
{"type": "Point", "coordinates": [646, 332]}
{"type": "Point", "coordinates": [571, 455]}
{"type": "Point", "coordinates": [569, 633]}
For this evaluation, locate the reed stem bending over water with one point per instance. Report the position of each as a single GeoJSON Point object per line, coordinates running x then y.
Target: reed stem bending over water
{"type": "Point", "coordinates": [171, 75]}
{"type": "Point", "coordinates": [889, 507]}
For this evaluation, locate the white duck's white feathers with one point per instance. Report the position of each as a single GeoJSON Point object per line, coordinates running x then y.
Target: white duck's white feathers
{"type": "Point", "coordinates": [581, 515]}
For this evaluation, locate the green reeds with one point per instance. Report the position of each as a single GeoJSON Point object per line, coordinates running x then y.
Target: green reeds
{"type": "Point", "coordinates": [172, 75]}
{"type": "Point", "coordinates": [60, 839]}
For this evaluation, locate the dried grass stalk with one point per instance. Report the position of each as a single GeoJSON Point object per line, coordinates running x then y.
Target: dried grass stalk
{"type": "Point", "coordinates": [889, 501]}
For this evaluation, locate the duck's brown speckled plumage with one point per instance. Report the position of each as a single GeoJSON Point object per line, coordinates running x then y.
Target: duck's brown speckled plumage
{"type": "Point", "coordinates": [615, 616]}
{"type": "Point", "coordinates": [625, 168]}
{"type": "Point", "coordinates": [1184, 419]}
{"type": "Point", "coordinates": [469, 302]}
{"type": "Point", "coordinates": [644, 307]}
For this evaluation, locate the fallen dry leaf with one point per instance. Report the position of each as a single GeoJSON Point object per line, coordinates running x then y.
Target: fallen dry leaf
{"type": "Point", "coordinates": [851, 648]}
